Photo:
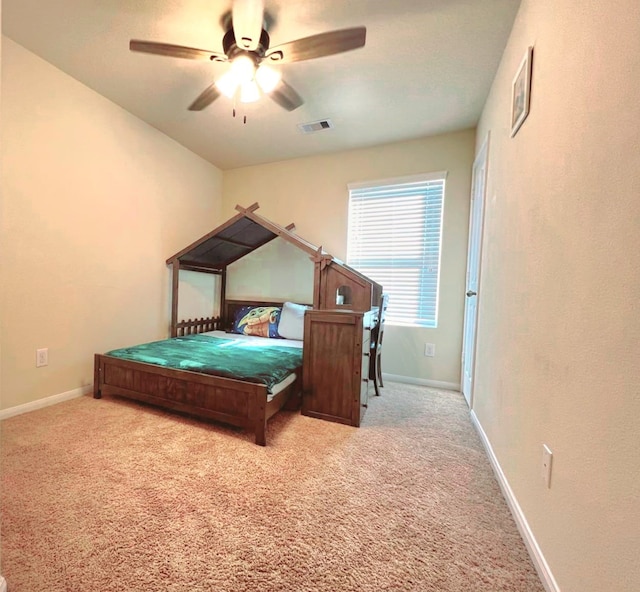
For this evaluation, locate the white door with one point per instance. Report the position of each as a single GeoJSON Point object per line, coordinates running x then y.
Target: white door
{"type": "Point", "coordinates": [478, 186]}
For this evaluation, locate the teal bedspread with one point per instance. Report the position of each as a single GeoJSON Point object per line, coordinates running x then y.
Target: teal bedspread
{"type": "Point", "coordinates": [230, 358]}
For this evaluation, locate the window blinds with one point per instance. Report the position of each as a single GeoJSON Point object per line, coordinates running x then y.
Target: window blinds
{"type": "Point", "coordinates": [395, 230]}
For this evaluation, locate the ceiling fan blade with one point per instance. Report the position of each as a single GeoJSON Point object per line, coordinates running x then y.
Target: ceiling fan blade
{"type": "Point", "coordinates": [247, 17]}
{"type": "Point", "coordinates": [205, 99]}
{"type": "Point", "coordinates": [318, 46]}
{"type": "Point", "coordinates": [286, 97]}
{"type": "Point", "coordinates": [176, 51]}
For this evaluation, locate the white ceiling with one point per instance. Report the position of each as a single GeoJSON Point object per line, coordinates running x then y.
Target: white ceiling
{"type": "Point", "coordinates": [426, 68]}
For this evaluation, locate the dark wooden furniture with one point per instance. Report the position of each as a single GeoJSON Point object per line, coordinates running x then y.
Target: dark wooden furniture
{"type": "Point", "coordinates": [243, 404]}
{"type": "Point", "coordinates": [335, 285]}
{"type": "Point", "coordinates": [215, 251]}
{"type": "Point", "coordinates": [375, 357]}
{"type": "Point", "coordinates": [235, 402]}
{"type": "Point", "coordinates": [338, 286]}
{"type": "Point", "coordinates": [336, 364]}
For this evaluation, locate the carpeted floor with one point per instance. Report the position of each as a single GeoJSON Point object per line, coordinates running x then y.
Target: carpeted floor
{"type": "Point", "coordinates": [106, 495]}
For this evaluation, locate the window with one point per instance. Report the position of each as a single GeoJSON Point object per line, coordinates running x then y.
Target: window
{"type": "Point", "coordinates": [395, 230]}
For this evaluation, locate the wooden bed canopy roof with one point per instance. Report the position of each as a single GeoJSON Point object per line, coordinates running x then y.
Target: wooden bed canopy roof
{"type": "Point", "coordinates": [237, 237]}
{"type": "Point", "coordinates": [336, 285]}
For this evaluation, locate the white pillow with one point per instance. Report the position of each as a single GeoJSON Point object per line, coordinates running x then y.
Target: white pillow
{"type": "Point", "coordinates": [291, 324]}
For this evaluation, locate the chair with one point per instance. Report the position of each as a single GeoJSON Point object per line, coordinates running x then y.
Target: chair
{"type": "Point", "coordinates": [375, 351]}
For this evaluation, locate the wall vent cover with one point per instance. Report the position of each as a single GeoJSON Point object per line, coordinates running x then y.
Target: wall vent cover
{"type": "Point", "coordinates": [315, 126]}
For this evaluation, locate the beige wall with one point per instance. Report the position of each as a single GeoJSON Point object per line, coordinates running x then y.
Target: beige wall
{"type": "Point", "coordinates": [559, 328]}
{"type": "Point", "coordinates": [94, 203]}
{"type": "Point", "coordinates": [276, 271]}
{"type": "Point", "coordinates": [312, 193]}
{"type": "Point", "coordinates": [197, 295]}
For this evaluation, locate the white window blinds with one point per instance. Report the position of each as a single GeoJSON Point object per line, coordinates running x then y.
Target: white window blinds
{"type": "Point", "coordinates": [395, 230]}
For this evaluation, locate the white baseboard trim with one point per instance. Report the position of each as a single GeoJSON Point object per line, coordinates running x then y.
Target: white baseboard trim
{"type": "Point", "coordinates": [452, 386]}
{"type": "Point", "coordinates": [46, 402]}
{"type": "Point", "coordinates": [540, 563]}
{"type": "Point", "coordinates": [3, 584]}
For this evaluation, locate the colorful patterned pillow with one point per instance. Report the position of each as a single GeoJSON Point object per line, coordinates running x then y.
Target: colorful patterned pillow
{"type": "Point", "coordinates": [260, 321]}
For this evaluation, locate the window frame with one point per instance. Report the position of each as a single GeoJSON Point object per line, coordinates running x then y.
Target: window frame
{"type": "Point", "coordinates": [422, 318]}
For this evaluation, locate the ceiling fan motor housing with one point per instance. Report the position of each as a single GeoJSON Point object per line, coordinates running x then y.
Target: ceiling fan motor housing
{"type": "Point", "coordinates": [231, 49]}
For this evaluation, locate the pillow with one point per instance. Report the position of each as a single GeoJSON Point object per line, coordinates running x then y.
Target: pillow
{"type": "Point", "coordinates": [291, 325]}
{"type": "Point", "coordinates": [260, 321]}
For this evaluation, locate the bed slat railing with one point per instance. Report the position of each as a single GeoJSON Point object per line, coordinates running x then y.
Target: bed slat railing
{"type": "Point", "coordinates": [195, 326]}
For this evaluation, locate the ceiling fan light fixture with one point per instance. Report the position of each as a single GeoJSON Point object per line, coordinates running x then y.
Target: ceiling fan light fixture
{"type": "Point", "coordinates": [243, 68]}
{"type": "Point", "coordinates": [249, 92]}
{"type": "Point", "coordinates": [227, 84]}
{"type": "Point", "coordinates": [241, 72]}
{"type": "Point", "coordinates": [267, 78]}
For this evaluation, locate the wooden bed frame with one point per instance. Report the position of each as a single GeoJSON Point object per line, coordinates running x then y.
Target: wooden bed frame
{"type": "Point", "coordinates": [235, 402]}
{"type": "Point", "coordinates": [244, 404]}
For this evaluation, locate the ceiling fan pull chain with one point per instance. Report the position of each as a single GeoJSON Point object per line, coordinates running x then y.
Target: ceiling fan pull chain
{"type": "Point", "coordinates": [245, 119]}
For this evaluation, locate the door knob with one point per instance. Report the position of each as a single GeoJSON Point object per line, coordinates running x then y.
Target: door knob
{"type": "Point", "coordinates": [472, 293]}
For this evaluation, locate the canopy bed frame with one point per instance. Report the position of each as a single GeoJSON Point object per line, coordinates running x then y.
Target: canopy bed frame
{"type": "Point", "coordinates": [336, 286]}
{"type": "Point", "coordinates": [236, 402]}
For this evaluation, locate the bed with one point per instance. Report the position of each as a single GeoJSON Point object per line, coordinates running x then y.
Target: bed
{"type": "Point", "coordinates": [166, 374]}
{"type": "Point", "coordinates": [240, 402]}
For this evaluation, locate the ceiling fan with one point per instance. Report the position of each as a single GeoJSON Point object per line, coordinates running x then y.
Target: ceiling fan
{"type": "Point", "coordinates": [246, 47]}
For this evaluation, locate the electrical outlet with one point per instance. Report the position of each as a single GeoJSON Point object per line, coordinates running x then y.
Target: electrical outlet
{"type": "Point", "coordinates": [430, 350]}
{"type": "Point", "coordinates": [42, 357]}
{"type": "Point", "coordinates": [547, 459]}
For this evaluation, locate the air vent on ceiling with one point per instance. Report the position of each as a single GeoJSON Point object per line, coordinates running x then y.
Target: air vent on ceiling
{"type": "Point", "coordinates": [315, 126]}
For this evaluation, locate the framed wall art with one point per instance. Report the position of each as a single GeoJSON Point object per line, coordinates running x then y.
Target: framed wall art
{"type": "Point", "coordinates": [520, 92]}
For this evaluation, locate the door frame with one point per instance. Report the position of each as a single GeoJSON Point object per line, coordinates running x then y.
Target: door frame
{"type": "Point", "coordinates": [481, 162]}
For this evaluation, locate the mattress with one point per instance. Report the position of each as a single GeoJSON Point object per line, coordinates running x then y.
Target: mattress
{"type": "Point", "coordinates": [271, 362]}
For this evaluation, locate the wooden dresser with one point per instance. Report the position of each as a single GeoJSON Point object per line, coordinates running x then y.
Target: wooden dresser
{"type": "Point", "coordinates": [336, 364]}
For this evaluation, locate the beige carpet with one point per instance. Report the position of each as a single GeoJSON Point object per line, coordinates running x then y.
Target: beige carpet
{"type": "Point", "coordinates": [106, 495]}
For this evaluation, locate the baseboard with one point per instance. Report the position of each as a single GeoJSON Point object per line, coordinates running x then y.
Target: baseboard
{"type": "Point", "coordinates": [3, 584]}
{"type": "Point", "coordinates": [46, 402]}
{"type": "Point", "coordinates": [451, 386]}
{"type": "Point", "coordinates": [539, 562]}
